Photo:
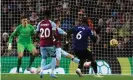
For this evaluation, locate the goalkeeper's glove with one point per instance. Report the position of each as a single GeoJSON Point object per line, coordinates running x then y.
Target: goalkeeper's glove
{"type": "Point", "coordinates": [9, 47]}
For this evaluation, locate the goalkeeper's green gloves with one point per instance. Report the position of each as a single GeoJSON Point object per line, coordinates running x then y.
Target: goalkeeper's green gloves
{"type": "Point", "coordinates": [9, 46]}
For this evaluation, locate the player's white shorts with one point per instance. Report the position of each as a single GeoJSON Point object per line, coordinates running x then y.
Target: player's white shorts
{"type": "Point", "coordinates": [60, 52]}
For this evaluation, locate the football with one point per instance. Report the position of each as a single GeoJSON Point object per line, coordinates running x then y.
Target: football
{"type": "Point", "coordinates": [113, 43]}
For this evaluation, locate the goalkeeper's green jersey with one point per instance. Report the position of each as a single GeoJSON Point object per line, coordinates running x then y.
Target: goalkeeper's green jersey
{"type": "Point", "coordinates": [24, 34]}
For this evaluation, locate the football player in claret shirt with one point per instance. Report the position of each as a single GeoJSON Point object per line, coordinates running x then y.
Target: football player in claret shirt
{"type": "Point", "coordinates": [58, 44]}
{"type": "Point", "coordinates": [46, 29]}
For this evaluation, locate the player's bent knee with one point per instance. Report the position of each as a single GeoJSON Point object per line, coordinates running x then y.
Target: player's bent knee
{"type": "Point", "coordinates": [20, 55]}
{"type": "Point", "coordinates": [35, 52]}
{"type": "Point", "coordinates": [58, 58]}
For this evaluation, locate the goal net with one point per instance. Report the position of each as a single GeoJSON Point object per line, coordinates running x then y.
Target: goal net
{"type": "Point", "coordinates": [113, 19]}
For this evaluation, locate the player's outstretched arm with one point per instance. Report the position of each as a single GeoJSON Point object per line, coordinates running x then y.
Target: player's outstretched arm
{"type": "Point", "coordinates": [11, 38]}
{"type": "Point", "coordinates": [53, 28]}
{"type": "Point", "coordinates": [12, 35]}
{"type": "Point", "coordinates": [62, 32]}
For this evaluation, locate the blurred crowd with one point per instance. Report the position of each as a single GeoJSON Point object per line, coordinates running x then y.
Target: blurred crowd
{"type": "Point", "coordinates": [113, 17]}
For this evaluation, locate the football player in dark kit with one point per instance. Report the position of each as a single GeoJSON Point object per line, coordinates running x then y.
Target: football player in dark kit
{"type": "Point", "coordinates": [80, 44]}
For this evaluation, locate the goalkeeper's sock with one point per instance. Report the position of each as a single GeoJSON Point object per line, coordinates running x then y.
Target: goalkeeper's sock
{"type": "Point", "coordinates": [76, 60]}
{"type": "Point", "coordinates": [31, 60]}
{"type": "Point", "coordinates": [94, 66]}
{"type": "Point", "coordinates": [19, 64]}
{"type": "Point", "coordinates": [53, 64]}
{"type": "Point", "coordinates": [43, 62]}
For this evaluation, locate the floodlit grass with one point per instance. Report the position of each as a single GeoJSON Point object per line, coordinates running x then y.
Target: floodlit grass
{"type": "Point", "coordinates": [63, 77]}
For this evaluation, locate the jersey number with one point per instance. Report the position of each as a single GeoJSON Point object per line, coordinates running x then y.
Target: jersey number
{"type": "Point", "coordinates": [45, 32]}
{"type": "Point", "coordinates": [79, 36]}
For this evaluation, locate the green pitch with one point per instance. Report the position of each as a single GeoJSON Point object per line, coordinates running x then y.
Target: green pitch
{"type": "Point", "coordinates": [62, 77]}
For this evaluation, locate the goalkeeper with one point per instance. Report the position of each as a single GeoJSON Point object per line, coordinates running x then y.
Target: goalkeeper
{"type": "Point", "coordinates": [24, 34]}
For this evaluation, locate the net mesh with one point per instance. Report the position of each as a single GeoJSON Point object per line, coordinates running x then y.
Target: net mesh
{"type": "Point", "coordinates": [113, 17]}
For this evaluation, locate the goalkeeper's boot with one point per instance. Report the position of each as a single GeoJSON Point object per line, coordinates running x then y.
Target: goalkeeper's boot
{"type": "Point", "coordinates": [78, 71]}
{"type": "Point", "coordinates": [53, 76]}
{"type": "Point", "coordinates": [29, 69]}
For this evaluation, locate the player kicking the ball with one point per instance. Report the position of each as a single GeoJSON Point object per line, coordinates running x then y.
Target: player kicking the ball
{"type": "Point", "coordinates": [59, 51]}
{"type": "Point", "coordinates": [24, 32]}
{"type": "Point", "coordinates": [80, 45]}
{"type": "Point", "coordinates": [46, 29]}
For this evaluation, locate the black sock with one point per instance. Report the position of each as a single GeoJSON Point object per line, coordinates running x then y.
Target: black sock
{"type": "Point", "coordinates": [94, 66]}
{"type": "Point", "coordinates": [31, 60]}
{"type": "Point", "coordinates": [19, 64]}
{"type": "Point", "coordinates": [56, 66]}
{"type": "Point", "coordinates": [80, 65]}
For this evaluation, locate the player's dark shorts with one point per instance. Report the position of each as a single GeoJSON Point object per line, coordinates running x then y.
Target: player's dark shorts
{"type": "Point", "coordinates": [84, 54]}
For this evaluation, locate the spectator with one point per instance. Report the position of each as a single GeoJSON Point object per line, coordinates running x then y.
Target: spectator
{"type": "Point", "coordinates": [34, 18]}
{"type": "Point", "coordinates": [5, 18]}
{"type": "Point", "coordinates": [124, 30]}
{"type": "Point", "coordinates": [100, 22]}
{"type": "Point", "coordinates": [4, 44]}
{"type": "Point", "coordinates": [42, 9]}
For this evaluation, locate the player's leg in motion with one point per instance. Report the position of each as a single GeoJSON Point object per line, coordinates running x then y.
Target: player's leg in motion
{"type": "Point", "coordinates": [60, 52]}
{"type": "Point", "coordinates": [67, 55]}
{"type": "Point", "coordinates": [32, 49]}
{"type": "Point", "coordinates": [93, 61]}
{"type": "Point", "coordinates": [51, 50]}
{"type": "Point", "coordinates": [58, 56]}
{"type": "Point", "coordinates": [81, 62]}
{"type": "Point", "coordinates": [44, 55]}
{"type": "Point", "coordinates": [20, 50]}
{"type": "Point", "coordinates": [44, 52]}
{"type": "Point", "coordinates": [80, 67]}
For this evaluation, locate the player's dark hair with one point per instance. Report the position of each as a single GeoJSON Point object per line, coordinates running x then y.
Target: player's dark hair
{"type": "Point", "coordinates": [23, 17]}
{"type": "Point", "coordinates": [47, 14]}
{"type": "Point", "coordinates": [85, 20]}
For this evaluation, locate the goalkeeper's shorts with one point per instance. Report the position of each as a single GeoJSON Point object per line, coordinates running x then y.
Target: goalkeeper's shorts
{"type": "Point", "coordinates": [21, 47]}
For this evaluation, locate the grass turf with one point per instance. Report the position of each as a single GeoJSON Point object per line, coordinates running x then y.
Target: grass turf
{"type": "Point", "coordinates": [63, 77]}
